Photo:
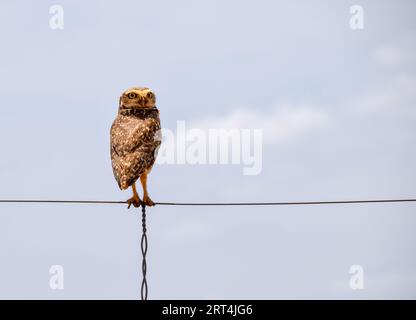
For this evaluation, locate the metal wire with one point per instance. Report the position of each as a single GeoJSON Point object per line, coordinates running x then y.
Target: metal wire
{"type": "Point", "coordinates": [281, 203]}
{"type": "Point", "coordinates": [215, 203]}
{"type": "Point", "coordinates": [143, 246]}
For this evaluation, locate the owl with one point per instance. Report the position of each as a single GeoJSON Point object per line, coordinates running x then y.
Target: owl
{"type": "Point", "coordinates": [135, 139]}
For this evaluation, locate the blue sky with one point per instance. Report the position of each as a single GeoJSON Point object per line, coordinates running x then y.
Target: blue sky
{"type": "Point", "coordinates": [211, 63]}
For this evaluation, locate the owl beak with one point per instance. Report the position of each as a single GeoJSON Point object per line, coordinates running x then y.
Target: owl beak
{"type": "Point", "coordinates": [142, 102]}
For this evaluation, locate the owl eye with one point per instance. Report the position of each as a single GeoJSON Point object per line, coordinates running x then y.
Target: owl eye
{"type": "Point", "coordinates": [149, 95]}
{"type": "Point", "coordinates": [132, 95]}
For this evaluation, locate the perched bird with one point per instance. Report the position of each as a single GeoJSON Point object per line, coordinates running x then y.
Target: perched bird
{"type": "Point", "coordinates": [135, 140]}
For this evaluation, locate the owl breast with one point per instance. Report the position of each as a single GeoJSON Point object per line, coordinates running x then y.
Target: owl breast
{"type": "Point", "coordinates": [134, 144]}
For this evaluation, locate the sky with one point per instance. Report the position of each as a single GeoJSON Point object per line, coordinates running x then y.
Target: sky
{"type": "Point", "coordinates": [336, 107]}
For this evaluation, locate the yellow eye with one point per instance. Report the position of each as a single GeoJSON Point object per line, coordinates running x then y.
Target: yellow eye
{"type": "Point", "coordinates": [132, 95]}
{"type": "Point", "coordinates": [149, 95]}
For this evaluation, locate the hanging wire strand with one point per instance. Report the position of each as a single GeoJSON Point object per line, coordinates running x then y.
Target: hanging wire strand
{"type": "Point", "coordinates": [143, 246]}
{"type": "Point", "coordinates": [214, 203]}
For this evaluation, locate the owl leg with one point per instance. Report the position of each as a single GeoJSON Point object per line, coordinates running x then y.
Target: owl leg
{"type": "Point", "coordinates": [146, 199]}
{"type": "Point", "coordinates": [135, 199]}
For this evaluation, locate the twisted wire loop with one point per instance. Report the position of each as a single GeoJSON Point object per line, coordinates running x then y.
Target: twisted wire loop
{"type": "Point", "coordinates": [143, 245]}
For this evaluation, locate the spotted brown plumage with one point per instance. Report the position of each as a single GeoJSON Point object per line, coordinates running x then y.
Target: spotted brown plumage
{"type": "Point", "coordinates": [135, 139]}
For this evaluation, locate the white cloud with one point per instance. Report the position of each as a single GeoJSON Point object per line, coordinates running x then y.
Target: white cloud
{"type": "Point", "coordinates": [397, 96]}
{"type": "Point", "coordinates": [398, 54]}
{"type": "Point", "coordinates": [279, 125]}
{"type": "Point", "coordinates": [389, 56]}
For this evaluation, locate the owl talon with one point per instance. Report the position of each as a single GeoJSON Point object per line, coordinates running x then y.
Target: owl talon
{"type": "Point", "coordinates": [148, 202]}
{"type": "Point", "coordinates": [135, 201]}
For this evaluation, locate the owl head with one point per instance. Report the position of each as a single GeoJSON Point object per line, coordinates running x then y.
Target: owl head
{"type": "Point", "coordinates": [137, 98]}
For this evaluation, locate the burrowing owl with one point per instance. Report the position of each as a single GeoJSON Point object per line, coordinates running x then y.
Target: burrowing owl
{"type": "Point", "coordinates": [135, 139]}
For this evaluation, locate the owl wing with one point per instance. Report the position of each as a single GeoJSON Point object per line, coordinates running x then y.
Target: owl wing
{"type": "Point", "coordinates": [133, 146]}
